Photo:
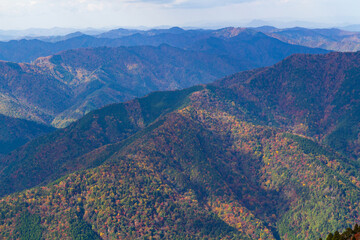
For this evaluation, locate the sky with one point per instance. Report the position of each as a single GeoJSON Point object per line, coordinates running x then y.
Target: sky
{"type": "Point", "coordinates": [24, 14]}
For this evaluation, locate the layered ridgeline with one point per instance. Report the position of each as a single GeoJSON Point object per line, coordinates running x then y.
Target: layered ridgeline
{"type": "Point", "coordinates": [29, 50]}
{"type": "Point", "coordinates": [61, 88]}
{"type": "Point", "coordinates": [331, 39]}
{"type": "Point", "coordinates": [243, 157]}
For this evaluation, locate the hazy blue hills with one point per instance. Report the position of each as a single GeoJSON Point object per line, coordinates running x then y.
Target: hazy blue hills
{"type": "Point", "coordinates": [29, 50]}
{"type": "Point", "coordinates": [61, 88]}
{"type": "Point", "coordinates": [331, 39]}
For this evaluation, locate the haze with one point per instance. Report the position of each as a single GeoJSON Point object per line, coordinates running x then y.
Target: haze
{"type": "Point", "coordinates": [22, 14]}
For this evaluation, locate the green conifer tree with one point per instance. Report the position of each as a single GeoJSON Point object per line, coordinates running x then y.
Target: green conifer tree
{"type": "Point", "coordinates": [337, 236]}
{"type": "Point", "coordinates": [356, 228]}
{"type": "Point", "coordinates": [330, 236]}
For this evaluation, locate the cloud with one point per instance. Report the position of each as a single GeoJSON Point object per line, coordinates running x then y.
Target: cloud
{"type": "Point", "coordinates": [191, 3]}
{"type": "Point", "coordinates": [95, 6]}
{"type": "Point", "coordinates": [98, 13]}
{"type": "Point", "coordinates": [209, 3]}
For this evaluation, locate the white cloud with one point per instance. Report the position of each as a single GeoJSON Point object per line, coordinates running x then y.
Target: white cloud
{"type": "Point", "coordinates": [97, 13]}
{"type": "Point", "coordinates": [95, 6]}
{"type": "Point", "coordinates": [191, 3]}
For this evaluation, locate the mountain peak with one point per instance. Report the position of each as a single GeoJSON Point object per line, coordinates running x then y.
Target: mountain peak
{"type": "Point", "coordinates": [229, 32]}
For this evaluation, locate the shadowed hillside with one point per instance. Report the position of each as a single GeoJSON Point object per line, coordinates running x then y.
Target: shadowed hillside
{"type": "Point", "coordinates": [16, 132]}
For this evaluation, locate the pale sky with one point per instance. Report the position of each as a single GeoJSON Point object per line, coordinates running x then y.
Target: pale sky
{"type": "Point", "coordinates": [23, 14]}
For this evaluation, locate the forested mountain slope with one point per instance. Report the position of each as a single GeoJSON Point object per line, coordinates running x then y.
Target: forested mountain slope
{"type": "Point", "coordinates": [312, 95]}
{"type": "Point", "coordinates": [231, 159]}
{"type": "Point", "coordinates": [61, 88]}
{"type": "Point", "coordinates": [16, 132]}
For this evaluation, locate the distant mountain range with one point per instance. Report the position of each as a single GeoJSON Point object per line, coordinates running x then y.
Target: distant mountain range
{"type": "Point", "coordinates": [353, 27]}
{"type": "Point", "coordinates": [45, 33]}
{"type": "Point", "coordinates": [270, 153]}
{"type": "Point", "coordinates": [63, 87]}
{"type": "Point", "coordinates": [29, 50]}
{"type": "Point", "coordinates": [331, 39]}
